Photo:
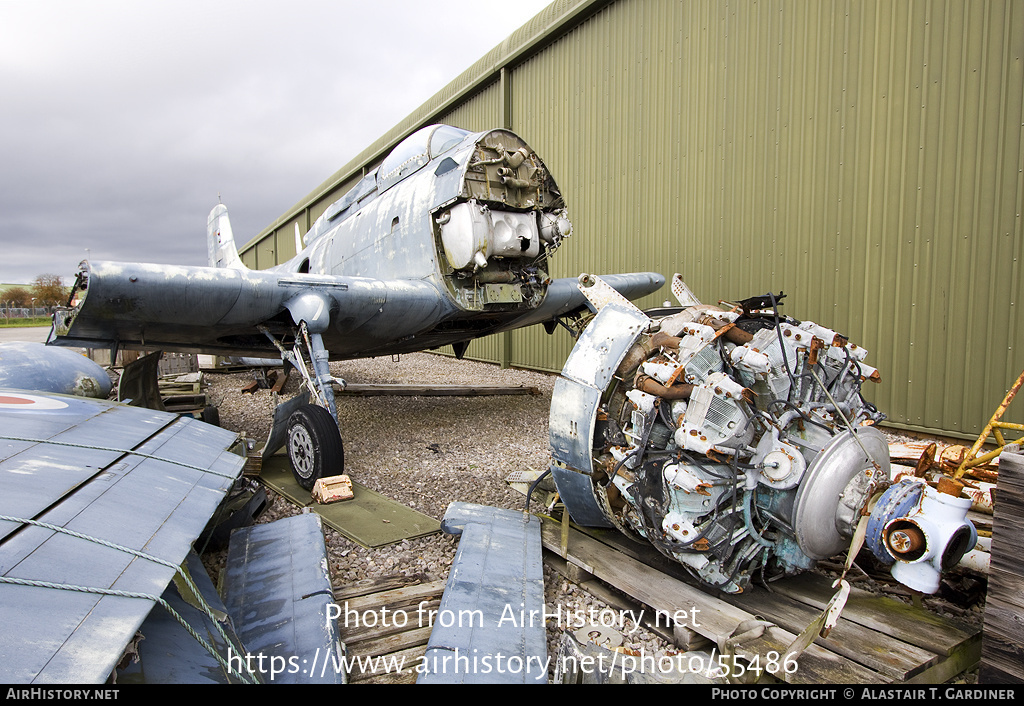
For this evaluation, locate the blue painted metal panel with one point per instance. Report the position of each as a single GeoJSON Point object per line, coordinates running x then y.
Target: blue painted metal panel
{"type": "Point", "coordinates": [155, 499]}
{"type": "Point", "coordinates": [588, 370]}
{"type": "Point", "coordinates": [603, 344]}
{"type": "Point", "coordinates": [34, 366]}
{"type": "Point", "coordinates": [62, 454]}
{"type": "Point", "coordinates": [278, 592]}
{"type": "Point", "coordinates": [571, 422]}
{"type": "Point", "coordinates": [489, 628]}
{"type": "Point", "coordinates": [168, 654]}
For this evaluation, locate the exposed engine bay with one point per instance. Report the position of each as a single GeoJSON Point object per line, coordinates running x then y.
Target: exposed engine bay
{"type": "Point", "coordinates": [495, 237]}
{"type": "Point", "coordinates": [736, 440]}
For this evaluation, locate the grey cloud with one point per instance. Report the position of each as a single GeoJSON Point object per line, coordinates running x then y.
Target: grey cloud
{"type": "Point", "coordinates": [123, 121]}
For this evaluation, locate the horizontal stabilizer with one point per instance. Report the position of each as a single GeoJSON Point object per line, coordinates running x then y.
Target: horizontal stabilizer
{"type": "Point", "coordinates": [497, 573]}
{"type": "Point", "coordinates": [277, 589]}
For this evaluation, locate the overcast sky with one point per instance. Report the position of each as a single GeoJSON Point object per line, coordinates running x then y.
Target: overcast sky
{"type": "Point", "coordinates": [122, 121]}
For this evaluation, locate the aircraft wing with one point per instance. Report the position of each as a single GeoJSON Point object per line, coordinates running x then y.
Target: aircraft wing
{"type": "Point", "coordinates": [131, 478]}
{"type": "Point", "coordinates": [219, 311]}
{"type": "Point", "coordinates": [227, 311]}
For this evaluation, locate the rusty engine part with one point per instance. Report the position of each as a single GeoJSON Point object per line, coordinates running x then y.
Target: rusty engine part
{"type": "Point", "coordinates": [736, 441]}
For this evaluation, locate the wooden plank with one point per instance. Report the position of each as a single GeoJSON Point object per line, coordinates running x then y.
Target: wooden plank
{"type": "Point", "coordinates": [408, 661]}
{"type": "Point", "coordinates": [376, 585]}
{"type": "Point", "coordinates": [279, 382]}
{"type": "Point", "coordinates": [391, 626]}
{"type": "Point", "coordinates": [366, 390]}
{"type": "Point", "coordinates": [390, 644]}
{"type": "Point", "coordinates": [396, 620]}
{"type": "Point", "coordinates": [614, 600]}
{"type": "Point", "coordinates": [891, 617]}
{"type": "Point", "coordinates": [1002, 658]}
{"type": "Point", "coordinates": [397, 596]}
{"type": "Point", "coordinates": [920, 633]}
{"type": "Point", "coordinates": [387, 613]}
{"type": "Point", "coordinates": [964, 659]}
{"type": "Point", "coordinates": [897, 660]}
{"type": "Point", "coordinates": [714, 618]}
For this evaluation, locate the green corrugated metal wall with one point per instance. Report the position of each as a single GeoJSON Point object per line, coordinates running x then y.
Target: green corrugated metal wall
{"type": "Point", "coordinates": [864, 157]}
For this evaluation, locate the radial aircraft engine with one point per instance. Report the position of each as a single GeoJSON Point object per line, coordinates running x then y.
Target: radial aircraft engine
{"type": "Point", "coordinates": [736, 440]}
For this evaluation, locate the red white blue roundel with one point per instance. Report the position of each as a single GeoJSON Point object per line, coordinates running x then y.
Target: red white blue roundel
{"type": "Point", "coordinates": [29, 403]}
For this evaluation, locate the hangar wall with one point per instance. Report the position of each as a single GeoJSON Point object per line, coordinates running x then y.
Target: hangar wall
{"type": "Point", "coordinates": [864, 157]}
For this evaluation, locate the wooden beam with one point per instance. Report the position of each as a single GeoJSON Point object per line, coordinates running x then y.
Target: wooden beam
{"type": "Point", "coordinates": [1002, 653]}
{"type": "Point", "coordinates": [361, 390]}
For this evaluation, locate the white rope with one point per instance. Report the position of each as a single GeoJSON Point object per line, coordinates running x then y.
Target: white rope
{"type": "Point", "coordinates": [204, 606]}
{"type": "Point", "coordinates": [120, 451]}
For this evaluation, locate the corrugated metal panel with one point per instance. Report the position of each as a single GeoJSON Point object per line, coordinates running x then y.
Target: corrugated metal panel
{"type": "Point", "coordinates": [864, 157]}
{"type": "Point", "coordinates": [249, 258]}
{"type": "Point", "coordinates": [284, 235]}
{"type": "Point", "coordinates": [266, 253]}
{"type": "Point", "coordinates": [481, 112]}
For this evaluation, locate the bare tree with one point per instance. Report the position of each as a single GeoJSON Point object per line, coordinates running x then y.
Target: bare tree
{"type": "Point", "coordinates": [49, 290]}
{"type": "Point", "coordinates": [17, 296]}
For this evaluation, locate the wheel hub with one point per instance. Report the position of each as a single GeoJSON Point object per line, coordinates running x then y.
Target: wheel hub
{"type": "Point", "coordinates": [300, 447]}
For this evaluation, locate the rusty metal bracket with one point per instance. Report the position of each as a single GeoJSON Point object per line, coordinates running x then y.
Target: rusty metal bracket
{"type": "Point", "coordinates": [993, 428]}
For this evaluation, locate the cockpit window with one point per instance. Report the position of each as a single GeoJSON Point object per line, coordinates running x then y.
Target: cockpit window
{"type": "Point", "coordinates": [415, 151]}
{"type": "Point", "coordinates": [444, 138]}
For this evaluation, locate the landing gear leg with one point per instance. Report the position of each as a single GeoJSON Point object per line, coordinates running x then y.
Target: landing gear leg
{"type": "Point", "coordinates": [313, 437]}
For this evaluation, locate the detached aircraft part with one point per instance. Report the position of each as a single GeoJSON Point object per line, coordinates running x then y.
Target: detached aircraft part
{"type": "Point", "coordinates": [736, 441]}
{"type": "Point", "coordinates": [101, 503]}
{"type": "Point", "coordinates": [33, 366]}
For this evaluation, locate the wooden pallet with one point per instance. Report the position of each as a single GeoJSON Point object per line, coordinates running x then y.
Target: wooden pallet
{"type": "Point", "coordinates": [385, 617]}
{"type": "Point", "coordinates": [877, 640]}
{"type": "Point", "coordinates": [182, 397]}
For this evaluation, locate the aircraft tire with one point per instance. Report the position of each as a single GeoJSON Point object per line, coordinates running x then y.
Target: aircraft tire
{"type": "Point", "coordinates": [211, 415]}
{"type": "Point", "coordinates": [314, 445]}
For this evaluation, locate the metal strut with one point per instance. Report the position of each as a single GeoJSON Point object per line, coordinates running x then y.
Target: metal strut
{"type": "Point", "coordinates": [319, 382]}
{"type": "Point", "coordinates": [319, 357]}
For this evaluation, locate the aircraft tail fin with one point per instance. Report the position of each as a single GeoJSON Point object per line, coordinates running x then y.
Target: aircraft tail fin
{"type": "Point", "coordinates": [220, 241]}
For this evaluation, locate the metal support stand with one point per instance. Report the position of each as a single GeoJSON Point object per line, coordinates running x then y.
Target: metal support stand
{"type": "Point", "coordinates": [994, 427]}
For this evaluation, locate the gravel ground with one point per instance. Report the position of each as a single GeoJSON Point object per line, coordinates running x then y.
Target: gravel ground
{"type": "Point", "coordinates": [427, 452]}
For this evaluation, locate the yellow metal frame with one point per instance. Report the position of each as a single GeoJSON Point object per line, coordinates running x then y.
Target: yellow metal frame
{"type": "Point", "coordinates": [994, 427]}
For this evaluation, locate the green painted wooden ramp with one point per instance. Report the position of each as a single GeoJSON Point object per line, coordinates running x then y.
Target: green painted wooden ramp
{"type": "Point", "coordinates": [369, 519]}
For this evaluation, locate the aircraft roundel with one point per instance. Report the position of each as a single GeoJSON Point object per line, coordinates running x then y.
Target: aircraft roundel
{"type": "Point", "coordinates": [29, 403]}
